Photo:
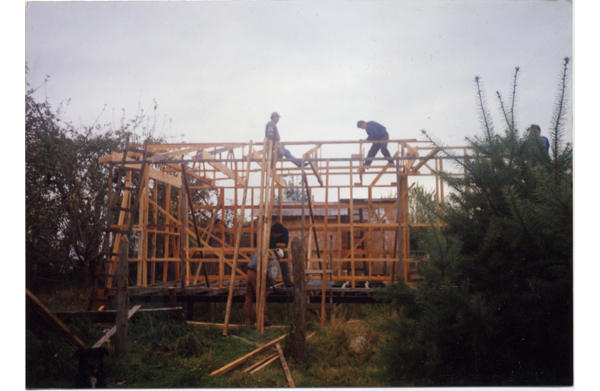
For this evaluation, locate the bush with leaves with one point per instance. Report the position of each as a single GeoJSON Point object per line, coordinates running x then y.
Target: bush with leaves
{"type": "Point", "coordinates": [495, 306]}
{"type": "Point", "coordinates": [65, 190]}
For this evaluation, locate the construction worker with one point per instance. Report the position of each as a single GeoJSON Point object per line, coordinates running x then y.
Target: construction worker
{"type": "Point", "coordinates": [251, 284]}
{"type": "Point", "coordinates": [537, 133]}
{"type": "Point", "coordinates": [375, 131]}
{"type": "Point", "coordinates": [272, 134]}
{"type": "Point", "coordinates": [280, 238]}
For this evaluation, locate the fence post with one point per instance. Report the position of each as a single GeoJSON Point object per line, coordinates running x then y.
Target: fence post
{"type": "Point", "coordinates": [122, 314]}
{"type": "Point", "coordinates": [299, 337]}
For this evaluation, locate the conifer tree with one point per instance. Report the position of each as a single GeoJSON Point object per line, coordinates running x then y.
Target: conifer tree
{"type": "Point", "coordinates": [495, 306]}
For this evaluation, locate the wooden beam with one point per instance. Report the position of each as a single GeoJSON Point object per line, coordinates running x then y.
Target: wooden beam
{"type": "Point", "coordinates": [241, 360]}
{"type": "Point", "coordinates": [381, 172]}
{"type": "Point", "coordinates": [276, 177]}
{"type": "Point", "coordinates": [238, 239]}
{"type": "Point", "coordinates": [262, 363]}
{"type": "Point", "coordinates": [271, 359]}
{"type": "Point", "coordinates": [288, 375]}
{"type": "Point", "coordinates": [168, 155]}
{"type": "Point", "coordinates": [112, 331]}
{"type": "Point", "coordinates": [196, 176]}
{"type": "Point", "coordinates": [425, 159]}
{"type": "Point", "coordinates": [39, 316]}
{"type": "Point", "coordinates": [209, 158]}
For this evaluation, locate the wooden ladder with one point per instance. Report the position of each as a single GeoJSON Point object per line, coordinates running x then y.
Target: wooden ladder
{"type": "Point", "coordinates": [125, 184]}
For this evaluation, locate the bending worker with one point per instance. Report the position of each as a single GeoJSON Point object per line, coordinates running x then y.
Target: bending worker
{"type": "Point", "coordinates": [251, 284]}
{"type": "Point", "coordinates": [375, 131]}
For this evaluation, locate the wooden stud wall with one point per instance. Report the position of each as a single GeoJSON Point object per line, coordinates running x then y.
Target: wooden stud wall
{"type": "Point", "coordinates": [168, 251]}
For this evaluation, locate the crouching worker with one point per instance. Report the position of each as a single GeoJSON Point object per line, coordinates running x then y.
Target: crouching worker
{"type": "Point", "coordinates": [251, 284]}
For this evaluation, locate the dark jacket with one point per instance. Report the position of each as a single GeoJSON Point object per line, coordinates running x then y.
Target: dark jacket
{"type": "Point", "coordinates": [376, 131]}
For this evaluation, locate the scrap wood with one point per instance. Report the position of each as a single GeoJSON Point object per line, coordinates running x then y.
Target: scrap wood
{"type": "Point", "coordinates": [288, 375]}
{"type": "Point", "coordinates": [261, 363]}
{"type": "Point", "coordinates": [230, 325]}
{"type": "Point", "coordinates": [112, 331]}
{"type": "Point", "coordinates": [271, 359]}
{"type": "Point", "coordinates": [243, 359]}
{"type": "Point", "coordinates": [254, 368]}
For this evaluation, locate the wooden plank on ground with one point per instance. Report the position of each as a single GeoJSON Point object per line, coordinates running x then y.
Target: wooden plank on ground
{"type": "Point", "coordinates": [266, 363]}
{"type": "Point", "coordinates": [241, 360]}
{"type": "Point", "coordinates": [38, 314]}
{"type": "Point", "coordinates": [261, 363]}
{"type": "Point", "coordinates": [113, 330]}
{"type": "Point", "coordinates": [288, 375]}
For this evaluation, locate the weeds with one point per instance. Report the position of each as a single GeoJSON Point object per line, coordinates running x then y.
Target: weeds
{"type": "Point", "coordinates": [166, 354]}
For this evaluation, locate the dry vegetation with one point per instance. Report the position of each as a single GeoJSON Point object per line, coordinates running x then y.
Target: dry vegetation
{"type": "Point", "coordinates": [165, 354]}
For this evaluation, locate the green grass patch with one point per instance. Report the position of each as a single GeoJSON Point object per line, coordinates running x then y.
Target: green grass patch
{"type": "Point", "coordinates": [166, 354]}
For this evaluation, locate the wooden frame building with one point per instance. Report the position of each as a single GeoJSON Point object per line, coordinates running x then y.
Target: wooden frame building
{"type": "Point", "coordinates": [167, 197]}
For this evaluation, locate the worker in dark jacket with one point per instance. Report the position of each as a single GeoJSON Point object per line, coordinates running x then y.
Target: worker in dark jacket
{"type": "Point", "coordinates": [375, 131]}
{"type": "Point", "coordinates": [280, 238]}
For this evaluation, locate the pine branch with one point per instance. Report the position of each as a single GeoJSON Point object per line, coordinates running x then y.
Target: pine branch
{"type": "Point", "coordinates": [485, 116]}
{"type": "Point", "coordinates": [558, 118]}
{"type": "Point", "coordinates": [514, 98]}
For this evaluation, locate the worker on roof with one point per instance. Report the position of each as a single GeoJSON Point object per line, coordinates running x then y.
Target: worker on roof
{"type": "Point", "coordinates": [272, 134]}
{"type": "Point", "coordinates": [375, 131]}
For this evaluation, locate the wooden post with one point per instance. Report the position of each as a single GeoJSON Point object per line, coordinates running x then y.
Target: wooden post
{"type": "Point", "coordinates": [238, 239]}
{"type": "Point", "coordinates": [399, 218]}
{"type": "Point", "coordinates": [299, 337]}
{"type": "Point", "coordinates": [183, 237]}
{"type": "Point", "coordinates": [122, 296]}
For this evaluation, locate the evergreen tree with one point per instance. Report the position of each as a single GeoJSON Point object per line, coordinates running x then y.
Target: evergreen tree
{"type": "Point", "coordinates": [496, 303]}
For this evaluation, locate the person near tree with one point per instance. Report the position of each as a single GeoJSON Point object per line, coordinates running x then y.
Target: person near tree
{"type": "Point", "coordinates": [537, 133]}
{"type": "Point", "coordinates": [375, 132]}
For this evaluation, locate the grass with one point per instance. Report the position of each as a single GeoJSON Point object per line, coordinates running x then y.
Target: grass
{"type": "Point", "coordinates": [166, 354]}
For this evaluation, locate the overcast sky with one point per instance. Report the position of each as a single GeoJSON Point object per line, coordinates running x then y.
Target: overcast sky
{"type": "Point", "coordinates": [216, 70]}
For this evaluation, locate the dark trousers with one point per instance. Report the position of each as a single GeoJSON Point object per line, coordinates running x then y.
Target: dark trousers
{"type": "Point", "coordinates": [373, 151]}
{"type": "Point", "coordinates": [285, 273]}
{"type": "Point", "coordinates": [251, 292]}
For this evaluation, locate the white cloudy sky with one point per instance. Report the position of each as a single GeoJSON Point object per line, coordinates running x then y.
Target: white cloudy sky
{"type": "Point", "coordinates": [218, 69]}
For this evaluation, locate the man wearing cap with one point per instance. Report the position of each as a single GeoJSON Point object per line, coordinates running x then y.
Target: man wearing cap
{"type": "Point", "coordinates": [272, 134]}
{"type": "Point", "coordinates": [375, 131]}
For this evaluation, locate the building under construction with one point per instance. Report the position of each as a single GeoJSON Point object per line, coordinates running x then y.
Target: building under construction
{"type": "Point", "coordinates": [354, 223]}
